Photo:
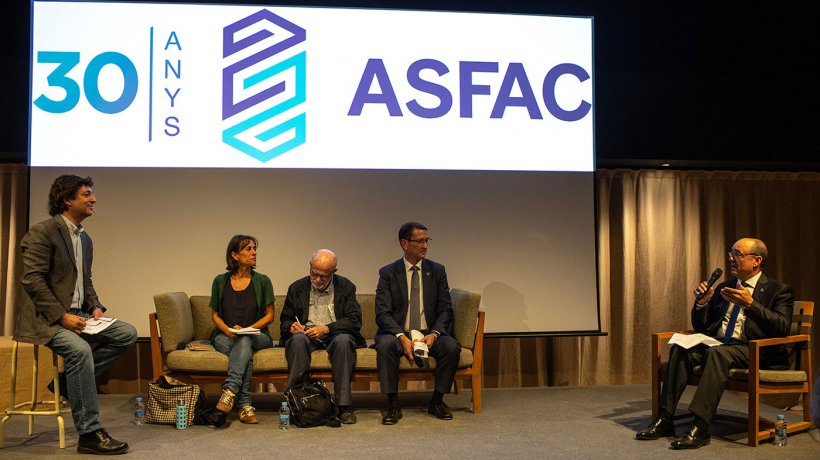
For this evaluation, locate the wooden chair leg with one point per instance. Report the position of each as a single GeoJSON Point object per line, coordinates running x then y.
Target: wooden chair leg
{"type": "Point", "coordinates": [754, 412]}
{"type": "Point", "coordinates": [656, 384]}
{"type": "Point", "coordinates": [476, 384]}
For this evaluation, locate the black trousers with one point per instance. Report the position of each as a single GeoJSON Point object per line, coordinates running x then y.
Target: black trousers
{"type": "Point", "coordinates": [341, 349]}
{"type": "Point", "coordinates": [716, 362]}
{"type": "Point", "coordinates": [445, 351]}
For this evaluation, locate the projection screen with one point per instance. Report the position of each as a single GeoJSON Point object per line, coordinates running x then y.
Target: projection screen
{"type": "Point", "coordinates": [318, 127]}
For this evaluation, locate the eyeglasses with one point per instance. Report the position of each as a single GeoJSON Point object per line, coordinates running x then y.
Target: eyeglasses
{"type": "Point", "coordinates": [737, 255]}
{"type": "Point", "coordinates": [320, 276]}
{"type": "Point", "coordinates": [421, 241]}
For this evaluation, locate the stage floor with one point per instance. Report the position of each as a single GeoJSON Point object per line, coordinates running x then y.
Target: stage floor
{"type": "Point", "coordinates": [566, 422]}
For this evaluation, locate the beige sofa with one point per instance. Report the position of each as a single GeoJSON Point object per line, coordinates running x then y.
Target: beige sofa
{"type": "Point", "coordinates": [180, 319]}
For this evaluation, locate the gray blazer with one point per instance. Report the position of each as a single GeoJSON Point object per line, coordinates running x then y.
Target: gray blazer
{"type": "Point", "coordinates": [49, 278]}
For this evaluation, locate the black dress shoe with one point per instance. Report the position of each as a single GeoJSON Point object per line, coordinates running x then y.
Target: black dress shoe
{"type": "Point", "coordinates": [63, 386]}
{"type": "Point", "coordinates": [348, 417]}
{"type": "Point", "coordinates": [660, 428]}
{"type": "Point", "coordinates": [101, 443]}
{"type": "Point", "coordinates": [392, 416]}
{"type": "Point", "coordinates": [440, 411]}
{"type": "Point", "coordinates": [694, 438]}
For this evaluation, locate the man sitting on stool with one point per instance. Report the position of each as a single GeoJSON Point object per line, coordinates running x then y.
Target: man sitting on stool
{"type": "Point", "coordinates": [750, 306]}
{"type": "Point", "coordinates": [59, 298]}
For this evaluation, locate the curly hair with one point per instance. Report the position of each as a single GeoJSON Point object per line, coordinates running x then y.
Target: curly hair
{"type": "Point", "coordinates": [65, 188]}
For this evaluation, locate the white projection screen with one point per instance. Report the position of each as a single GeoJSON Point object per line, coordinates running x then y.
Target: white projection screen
{"type": "Point", "coordinates": [324, 128]}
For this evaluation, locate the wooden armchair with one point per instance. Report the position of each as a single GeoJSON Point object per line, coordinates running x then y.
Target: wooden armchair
{"type": "Point", "coordinates": [756, 381]}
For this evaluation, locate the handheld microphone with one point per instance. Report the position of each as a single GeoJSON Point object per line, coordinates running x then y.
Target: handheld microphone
{"type": "Point", "coordinates": [712, 279]}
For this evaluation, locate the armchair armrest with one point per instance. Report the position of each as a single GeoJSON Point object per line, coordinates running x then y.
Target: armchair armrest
{"type": "Point", "coordinates": [779, 341]}
{"type": "Point", "coordinates": [756, 345]}
{"type": "Point", "coordinates": [658, 338]}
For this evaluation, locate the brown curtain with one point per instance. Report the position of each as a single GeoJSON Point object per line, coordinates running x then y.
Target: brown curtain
{"type": "Point", "coordinates": [659, 234]}
{"type": "Point", "coordinates": [13, 214]}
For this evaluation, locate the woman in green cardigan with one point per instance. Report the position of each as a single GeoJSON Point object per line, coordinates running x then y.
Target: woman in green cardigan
{"type": "Point", "coordinates": [240, 298]}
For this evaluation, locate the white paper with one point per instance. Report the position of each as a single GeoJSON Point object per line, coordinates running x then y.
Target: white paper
{"type": "Point", "coordinates": [247, 331]}
{"type": "Point", "coordinates": [94, 326]}
{"type": "Point", "coordinates": [690, 340]}
{"type": "Point", "coordinates": [419, 346]}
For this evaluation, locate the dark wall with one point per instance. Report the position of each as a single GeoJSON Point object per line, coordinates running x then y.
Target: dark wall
{"type": "Point", "coordinates": [699, 83]}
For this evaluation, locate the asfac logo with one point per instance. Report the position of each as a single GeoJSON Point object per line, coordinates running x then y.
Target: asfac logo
{"type": "Point", "coordinates": [263, 85]}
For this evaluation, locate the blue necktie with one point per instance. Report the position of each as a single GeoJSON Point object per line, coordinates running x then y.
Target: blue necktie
{"type": "Point", "coordinates": [730, 329]}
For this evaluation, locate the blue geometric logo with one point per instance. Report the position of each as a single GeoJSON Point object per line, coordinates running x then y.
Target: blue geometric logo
{"type": "Point", "coordinates": [264, 85]}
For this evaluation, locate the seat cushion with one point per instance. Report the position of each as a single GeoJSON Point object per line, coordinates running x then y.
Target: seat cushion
{"type": "Point", "coordinates": [766, 375]}
{"type": "Point", "coordinates": [197, 361]}
{"type": "Point", "coordinates": [770, 376]}
{"type": "Point", "coordinates": [273, 360]}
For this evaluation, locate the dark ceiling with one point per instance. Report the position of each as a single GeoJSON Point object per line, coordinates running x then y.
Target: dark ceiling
{"type": "Point", "coordinates": [695, 84]}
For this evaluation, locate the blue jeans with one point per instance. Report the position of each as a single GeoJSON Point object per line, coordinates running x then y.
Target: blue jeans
{"type": "Point", "coordinates": [240, 362]}
{"type": "Point", "coordinates": [83, 364]}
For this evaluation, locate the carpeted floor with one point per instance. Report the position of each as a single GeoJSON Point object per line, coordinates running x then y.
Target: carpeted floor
{"type": "Point", "coordinates": [569, 422]}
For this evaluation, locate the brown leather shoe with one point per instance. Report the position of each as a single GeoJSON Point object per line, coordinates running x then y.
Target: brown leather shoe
{"type": "Point", "coordinates": [226, 400]}
{"type": "Point", "coordinates": [248, 415]}
{"type": "Point", "coordinates": [660, 428]}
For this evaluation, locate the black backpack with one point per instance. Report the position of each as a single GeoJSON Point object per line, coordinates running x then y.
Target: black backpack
{"type": "Point", "coordinates": [312, 405]}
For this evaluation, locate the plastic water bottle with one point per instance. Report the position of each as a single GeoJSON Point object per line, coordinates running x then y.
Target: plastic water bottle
{"type": "Point", "coordinates": [139, 411]}
{"type": "Point", "coordinates": [780, 431]}
{"type": "Point", "coordinates": [182, 415]}
{"type": "Point", "coordinates": [284, 416]}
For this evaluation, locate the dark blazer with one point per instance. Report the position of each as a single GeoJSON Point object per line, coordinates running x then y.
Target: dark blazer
{"type": "Point", "coordinates": [345, 307]}
{"type": "Point", "coordinates": [49, 278]}
{"type": "Point", "coordinates": [769, 315]}
{"type": "Point", "coordinates": [392, 298]}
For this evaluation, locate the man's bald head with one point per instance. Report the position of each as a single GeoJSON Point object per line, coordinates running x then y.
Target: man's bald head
{"type": "Point", "coordinates": [322, 268]}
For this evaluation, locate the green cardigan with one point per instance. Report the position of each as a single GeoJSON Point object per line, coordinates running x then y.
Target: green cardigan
{"type": "Point", "coordinates": [262, 289]}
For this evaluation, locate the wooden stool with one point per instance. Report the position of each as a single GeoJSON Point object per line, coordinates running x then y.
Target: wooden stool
{"type": "Point", "coordinates": [30, 407]}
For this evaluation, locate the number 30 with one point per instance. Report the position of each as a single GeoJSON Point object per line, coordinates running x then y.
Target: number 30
{"type": "Point", "coordinates": [67, 60]}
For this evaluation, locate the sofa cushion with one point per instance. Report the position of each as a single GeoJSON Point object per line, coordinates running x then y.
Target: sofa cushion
{"type": "Point", "coordinates": [465, 314]}
{"type": "Point", "coordinates": [174, 317]}
{"type": "Point", "coordinates": [368, 304]}
{"type": "Point", "coordinates": [197, 361]}
{"type": "Point", "coordinates": [201, 315]}
{"type": "Point", "coordinates": [273, 359]}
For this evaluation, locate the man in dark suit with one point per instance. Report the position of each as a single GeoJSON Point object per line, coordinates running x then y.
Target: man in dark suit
{"type": "Point", "coordinates": [413, 294]}
{"type": "Point", "coordinates": [60, 297]}
{"type": "Point", "coordinates": [321, 312]}
{"type": "Point", "coordinates": [750, 306]}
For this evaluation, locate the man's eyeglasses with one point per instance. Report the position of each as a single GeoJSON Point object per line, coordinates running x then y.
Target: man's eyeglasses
{"type": "Point", "coordinates": [737, 255]}
{"type": "Point", "coordinates": [421, 241]}
{"type": "Point", "coordinates": [320, 276]}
